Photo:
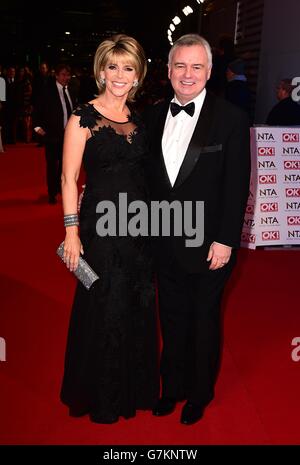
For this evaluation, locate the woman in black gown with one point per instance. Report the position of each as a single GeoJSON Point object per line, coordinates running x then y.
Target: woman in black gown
{"type": "Point", "coordinates": [111, 363]}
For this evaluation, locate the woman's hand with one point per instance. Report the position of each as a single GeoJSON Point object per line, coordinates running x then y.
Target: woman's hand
{"type": "Point", "coordinates": [72, 248]}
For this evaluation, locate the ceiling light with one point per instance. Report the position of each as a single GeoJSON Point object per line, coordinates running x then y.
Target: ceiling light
{"type": "Point", "coordinates": [176, 20]}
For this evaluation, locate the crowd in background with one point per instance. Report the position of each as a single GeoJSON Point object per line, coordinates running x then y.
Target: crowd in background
{"type": "Point", "coordinates": [25, 86]}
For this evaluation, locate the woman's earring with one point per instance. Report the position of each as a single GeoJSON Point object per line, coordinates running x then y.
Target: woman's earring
{"type": "Point", "coordinates": [102, 81]}
{"type": "Point", "coordinates": [135, 83]}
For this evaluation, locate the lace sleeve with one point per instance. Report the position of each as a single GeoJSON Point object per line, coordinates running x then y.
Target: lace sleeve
{"type": "Point", "coordinates": [88, 116]}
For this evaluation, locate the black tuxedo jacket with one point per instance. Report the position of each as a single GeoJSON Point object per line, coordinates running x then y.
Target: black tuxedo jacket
{"type": "Point", "coordinates": [215, 170]}
{"type": "Point", "coordinates": [48, 112]}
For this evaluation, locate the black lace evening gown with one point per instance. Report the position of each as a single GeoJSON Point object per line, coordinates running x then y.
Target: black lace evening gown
{"type": "Point", "coordinates": [111, 363]}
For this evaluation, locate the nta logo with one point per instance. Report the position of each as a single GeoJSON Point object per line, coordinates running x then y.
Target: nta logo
{"type": "Point", "coordinates": [265, 136]}
{"type": "Point", "coordinates": [268, 192]}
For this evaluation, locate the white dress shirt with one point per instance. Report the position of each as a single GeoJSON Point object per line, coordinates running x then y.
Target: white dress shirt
{"type": "Point", "coordinates": [61, 95]}
{"type": "Point", "coordinates": [177, 134]}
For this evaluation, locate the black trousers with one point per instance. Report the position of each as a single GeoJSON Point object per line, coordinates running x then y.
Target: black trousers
{"type": "Point", "coordinates": [53, 152]}
{"type": "Point", "coordinates": [10, 123]}
{"type": "Point", "coordinates": [189, 307]}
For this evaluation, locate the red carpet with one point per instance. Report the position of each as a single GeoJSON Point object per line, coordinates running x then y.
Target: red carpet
{"type": "Point", "coordinates": [257, 396]}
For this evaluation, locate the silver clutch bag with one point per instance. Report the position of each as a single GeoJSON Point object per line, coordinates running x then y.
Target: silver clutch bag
{"type": "Point", "coordinates": [83, 272]}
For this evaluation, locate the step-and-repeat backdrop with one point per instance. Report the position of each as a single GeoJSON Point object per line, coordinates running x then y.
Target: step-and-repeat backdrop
{"type": "Point", "coordinates": [273, 210]}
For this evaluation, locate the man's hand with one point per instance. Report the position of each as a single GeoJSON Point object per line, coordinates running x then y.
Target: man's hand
{"type": "Point", "coordinates": [40, 131]}
{"type": "Point", "coordinates": [218, 255]}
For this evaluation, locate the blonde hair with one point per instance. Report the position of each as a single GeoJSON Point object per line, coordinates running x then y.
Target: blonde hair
{"type": "Point", "coordinates": [120, 45]}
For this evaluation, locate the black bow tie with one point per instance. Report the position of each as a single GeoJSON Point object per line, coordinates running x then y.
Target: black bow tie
{"type": "Point", "coordinates": [189, 108]}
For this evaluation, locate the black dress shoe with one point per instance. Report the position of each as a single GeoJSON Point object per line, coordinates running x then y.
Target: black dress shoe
{"type": "Point", "coordinates": [191, 413]}
{"type": "Point", "coordinates": [164, 406]}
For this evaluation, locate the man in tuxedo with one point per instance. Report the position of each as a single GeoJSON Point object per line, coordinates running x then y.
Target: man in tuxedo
{"type": "Point", "coordinates": [53, 107]}
{"type": "Point", "coordinates": [200, 151]}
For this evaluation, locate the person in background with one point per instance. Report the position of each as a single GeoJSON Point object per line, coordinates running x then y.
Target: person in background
{"type": "Point", "coordinates": [40, 81]}
{"type": "Point", "coordinates": [237, 90]}
{"type": "Point", "coordinates": [2, 103]}
{"type": "Point", "coordinates": [11, 107]}
{"type": "Point", "coordinates": [24, 102]}
{"type": "Point", "coordinates": [52, 110]}
{"type": "Point", "coordinates": [286, 112]}
{"type": "Point", "coordinates": [223, 54]}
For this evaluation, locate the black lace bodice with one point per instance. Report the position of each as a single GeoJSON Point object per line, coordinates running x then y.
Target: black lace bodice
{"type": "Point", "coordinates": [114, 153]}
